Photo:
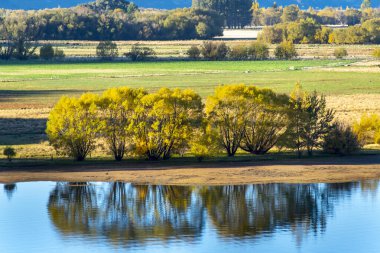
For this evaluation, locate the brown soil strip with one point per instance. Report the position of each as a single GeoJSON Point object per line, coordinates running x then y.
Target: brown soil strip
{"type": "Point", "coordinates": [324, 170]}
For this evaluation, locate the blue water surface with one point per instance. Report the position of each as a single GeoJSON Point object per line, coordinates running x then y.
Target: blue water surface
{"type": "Point", "coordinates": [121, 217]}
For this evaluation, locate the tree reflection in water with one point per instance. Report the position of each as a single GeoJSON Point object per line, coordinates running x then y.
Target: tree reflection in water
{"type": "Point", "coordinates": [134, 214]}
{"type": "Point", "coordinates": [127, 214]}
{"type": "Point", "coordinates": [9, 189]}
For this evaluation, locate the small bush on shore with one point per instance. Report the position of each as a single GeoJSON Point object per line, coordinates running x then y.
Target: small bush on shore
{"type": "Point", "coordinates": [340, 53]}
{"type": "Point", "coordinates": [9, 152]}
{"type": "Point", "coordinates": [341, 140]}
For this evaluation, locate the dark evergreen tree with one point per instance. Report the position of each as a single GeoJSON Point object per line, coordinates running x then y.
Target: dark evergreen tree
{"type": "Point", "coordinates": [236, 13]}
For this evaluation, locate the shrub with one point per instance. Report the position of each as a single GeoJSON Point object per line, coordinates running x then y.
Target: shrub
{"type": "Point", "coordinates": [239, 52]}
{"type": "Point", "coordinates": [222, 51]}
{"type": "Point", "coordinates": [310, 120]}
{"type": "Point", "coordinates": [253, 51]}
{"type": "Point", "coordinates": [193, 52]}
{"type": "Point", "coordinates": [340, 53]}
{"type": "Point", "coordinates": [204, 144]}
{"type": "Point", "coordinates": [59, 53]}
{"type": "Point", "coordinates": [368, 129]}
{"type": "Point", "coordinates": [47, 52]}
{"type": "Point", "coordinates": [9, 152]}
{"type": "Point", "coordinates": [257, 51]}
{"type": "Point", "coordinates": [376, 53]}
{"type": "Point", "coordinates": [214, 51]}
{"type": "Point", "coordinates": [107, 50]}
{"type": "Point", "coordinates": [285, 50]}
{"type": "Point", "coordinates": [140, 53]}
{"type": "Point", "coordinates": [341, 140]}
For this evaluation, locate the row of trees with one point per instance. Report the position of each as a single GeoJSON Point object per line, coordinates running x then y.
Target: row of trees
{"type": "Point", "coordinates": [86, 23]}
{"type": "Point", "coordinates": [102, 20]}
{"type": "Point", "coordinates": [239, 13]}
{"type": "Point", "coordinates": [220, 51]}
{"type": "Point", "coordinates": [174, 121]}
{"type": "Point", "coordinates": [309, 31]}
{"type": "Point", "coordinates": [253, 51]}
{"type": "Point", "coordinates": [327, 16]}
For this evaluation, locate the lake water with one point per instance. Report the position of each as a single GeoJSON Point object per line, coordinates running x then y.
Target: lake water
{"type": "Point", "coordinates": [118, 217]}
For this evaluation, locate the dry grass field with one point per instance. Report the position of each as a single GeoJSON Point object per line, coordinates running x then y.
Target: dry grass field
{"type": "Point", "coordinates": [178, 49]}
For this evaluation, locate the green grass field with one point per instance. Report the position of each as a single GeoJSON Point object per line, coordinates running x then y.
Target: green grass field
{"type": "Point", "coordinates": [41, 85]}
{"type": "Point", "coordinates": [28, 90]}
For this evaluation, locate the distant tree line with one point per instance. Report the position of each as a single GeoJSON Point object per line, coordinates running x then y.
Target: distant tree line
{"type": "Point", "coordinates": [327, 16]}
{"type": "Point", "coordinates": [214, 51]}
{"type": "Point", "coordinates": [108, 20]}
{"type": "Point", "coordinates": [309, 31]}
{"type": "Point", "coordinates": [171, 122]}
{"type": "Point", "coordinates": [102, 20]}
{"type": "Point", "coordinates": [239, 13]}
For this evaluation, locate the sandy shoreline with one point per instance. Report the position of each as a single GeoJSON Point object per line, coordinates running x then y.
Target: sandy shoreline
{"type": "Point", "coordinates": [325, 170]}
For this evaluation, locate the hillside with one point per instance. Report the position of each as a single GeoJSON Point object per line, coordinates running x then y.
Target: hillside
{"type": "Point", "coordinates": [170, 4]}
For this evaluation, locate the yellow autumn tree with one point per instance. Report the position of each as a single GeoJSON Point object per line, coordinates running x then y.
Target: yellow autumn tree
{"type": "Point", "coordinates": [227, 112]}
{"type": "Point", "coordinates": [204, 143]}
{"type": "Point", "coordinates": [247, 117]}
{"type": "Point", "coordinates": [117, 112]}
{"type": "Point", "coordinates": [267, 120]}
{"type": "Point", "coordinates": [165, 120]}
{"type": "Point", "coordinates": [73, 126]}
{"type": "Point", "coordinates": [368, 129]}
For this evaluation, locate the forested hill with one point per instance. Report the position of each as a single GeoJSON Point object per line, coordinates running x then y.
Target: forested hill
{"type": "Point", "coordinates": [171, 4]}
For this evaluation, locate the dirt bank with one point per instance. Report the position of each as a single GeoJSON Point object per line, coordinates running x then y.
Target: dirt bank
{"type": "Point", "coordinates": [215, 173]}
